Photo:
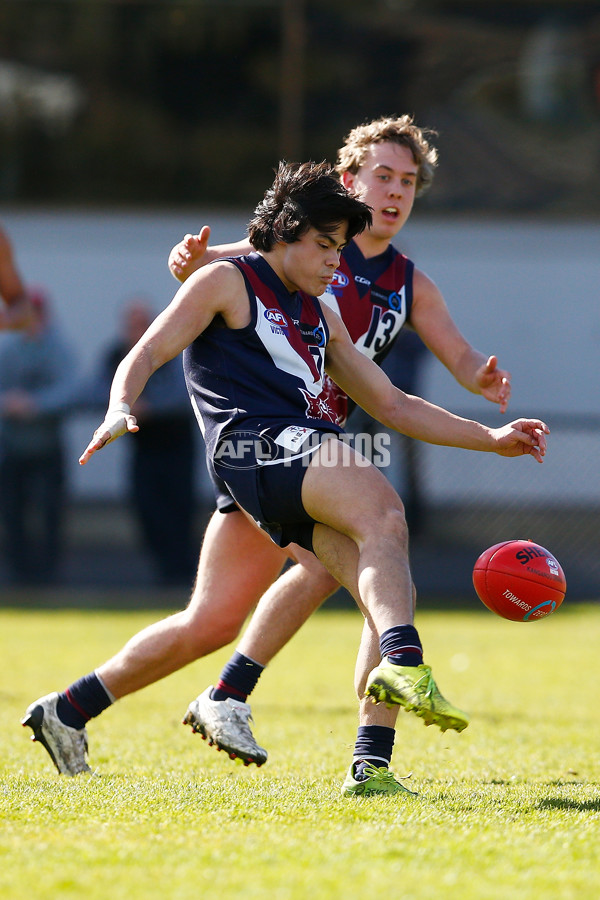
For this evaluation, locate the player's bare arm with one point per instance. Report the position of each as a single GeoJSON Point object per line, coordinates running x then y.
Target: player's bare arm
{"type": "Point", "coordinates": [370, 387]}
{"type": "Point", "coordinates": [218, 290]}
{"type": "Point", "coordinates": [433, 323]}
{"type": "Point", "coordinates": [193, 252]}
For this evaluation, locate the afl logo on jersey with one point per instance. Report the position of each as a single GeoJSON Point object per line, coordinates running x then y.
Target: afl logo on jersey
{"type": "Point", "coordinates": [337, 284]}
{"type": "Point", "coordinates": [339, 280]}
{"type": "Point", "coordinates": [277, 321]}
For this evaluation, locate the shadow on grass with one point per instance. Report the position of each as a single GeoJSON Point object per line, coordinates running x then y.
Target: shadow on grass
{"type": "Point", "coordinates": [561, 803]}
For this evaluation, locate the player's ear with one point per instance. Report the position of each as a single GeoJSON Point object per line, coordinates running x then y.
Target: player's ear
{"type": "Point", "coordinates": [347, 179]}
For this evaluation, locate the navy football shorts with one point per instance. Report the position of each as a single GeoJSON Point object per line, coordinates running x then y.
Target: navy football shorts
{"type": "Point", "coordinates": [262, 471]}
{"type": "Point", "coordinates": [223, 499]}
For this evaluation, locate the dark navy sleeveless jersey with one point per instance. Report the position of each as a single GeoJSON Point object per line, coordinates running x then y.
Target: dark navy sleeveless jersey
{"type": "Point", "coordinates": [374, 298]}
{"type": "Point", "coordinates": [269, 372]}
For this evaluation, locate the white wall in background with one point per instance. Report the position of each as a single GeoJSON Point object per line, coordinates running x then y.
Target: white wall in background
{"type": "Point", "coordinates": [525, 290]}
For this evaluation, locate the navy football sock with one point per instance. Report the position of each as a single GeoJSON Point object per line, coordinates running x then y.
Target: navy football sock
{"type": "Point", "coordinates": [238, 678]}
{"type": "Point", "coordinates": [83, 700]}
{"type": "Point", "coordinates": [402, 645]}
{"type": "Point", "coordinates": [374, 745]}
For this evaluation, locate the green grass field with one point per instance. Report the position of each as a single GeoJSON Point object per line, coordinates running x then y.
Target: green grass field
{"type": "Point", "coordinates": [508, 809]}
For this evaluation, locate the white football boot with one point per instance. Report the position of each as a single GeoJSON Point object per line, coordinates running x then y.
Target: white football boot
{"type": "Point", "coordinates": [224, 723]}
{"type": "Point", "coordinates": [67, 746]}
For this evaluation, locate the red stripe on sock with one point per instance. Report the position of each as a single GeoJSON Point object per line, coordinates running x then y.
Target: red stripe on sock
{"type": "Point", "coordinates": [223, 686]}
{"type": "Point", "coordinates": [76, 705]}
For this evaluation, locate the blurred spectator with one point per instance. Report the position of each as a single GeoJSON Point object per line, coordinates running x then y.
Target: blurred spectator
{"type": "Point", "coordinates": [15, 311]}
{"type": "Point", "coordinates": [37, 386]}
{"type": "Point", "coordinates": [163, 453]}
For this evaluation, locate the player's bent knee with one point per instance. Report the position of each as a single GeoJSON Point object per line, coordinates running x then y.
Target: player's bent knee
{"type": "Point", "coordinates": [391, 525]}
{"type": "Point", "coordinates": [313, 573]}
{"type": "Point", "coordinates": [207, 634]}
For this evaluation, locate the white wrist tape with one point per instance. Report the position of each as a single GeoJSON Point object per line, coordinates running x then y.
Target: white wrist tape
{"type": "Point", "coordinates": [115, 420]}
{"type": "Point", "coordinates": [120, 407]}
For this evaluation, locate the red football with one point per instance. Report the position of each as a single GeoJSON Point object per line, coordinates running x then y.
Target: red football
{"type": "Point", "coordinates": [519, 580]}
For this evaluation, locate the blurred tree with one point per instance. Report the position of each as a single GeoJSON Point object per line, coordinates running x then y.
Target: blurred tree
{"type": "Point", "coordinates": [175, 102]}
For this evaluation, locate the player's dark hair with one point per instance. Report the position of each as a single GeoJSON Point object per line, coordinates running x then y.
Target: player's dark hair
{"type": "Point", "coordinates": [305, 195]}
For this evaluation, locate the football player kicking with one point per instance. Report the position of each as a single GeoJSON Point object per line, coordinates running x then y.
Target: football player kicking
{"type": "Point", "coordinates": [218, 608]}
{"type": "Point", "coordinates": [377, 291]}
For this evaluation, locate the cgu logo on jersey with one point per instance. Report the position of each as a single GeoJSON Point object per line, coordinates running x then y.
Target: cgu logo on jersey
{"type": "Point", "coordinates": [277, 321]}
{"type": "Point", "coordinates": [337, 284]}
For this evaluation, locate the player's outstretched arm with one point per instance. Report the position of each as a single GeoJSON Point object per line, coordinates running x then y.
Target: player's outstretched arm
{"type": "Point", "coordinates": [218, 290]}
{"type": "Point", "coordinates": [193, 252]}
{"type": "Point", "coordinates": [371, 389]}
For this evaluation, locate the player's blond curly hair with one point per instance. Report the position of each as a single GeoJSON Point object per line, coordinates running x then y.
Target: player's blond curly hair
{"type": "Point", "coordinates": [401, 130]}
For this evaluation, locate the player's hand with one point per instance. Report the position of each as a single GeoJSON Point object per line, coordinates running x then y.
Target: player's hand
{"type": "Point", "coordinates": [115, 424]}
{"type": "Point", "coordinates": [186, 256]}
{"type": "Point", "coordinates": [494, 383]}
{"type": "Point", "coordinates": [523, 436]}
